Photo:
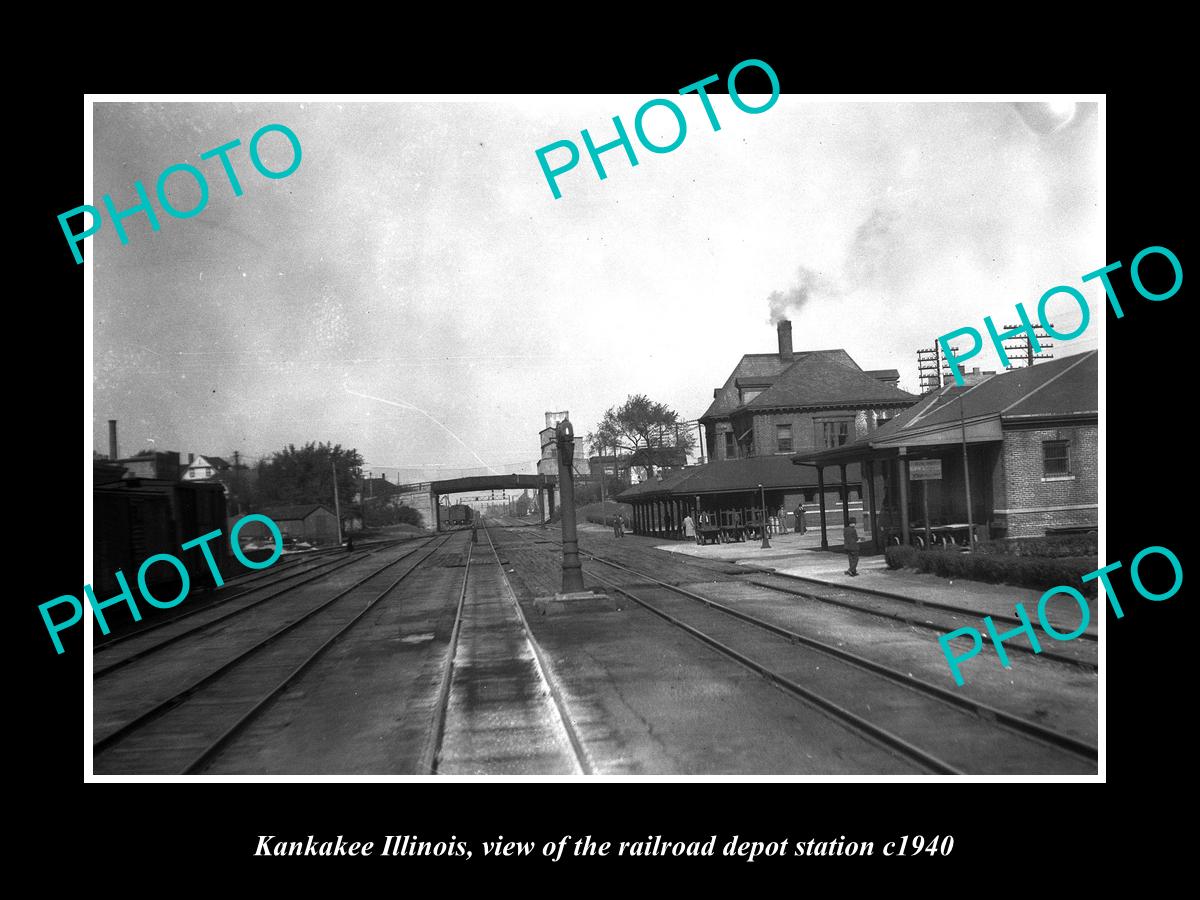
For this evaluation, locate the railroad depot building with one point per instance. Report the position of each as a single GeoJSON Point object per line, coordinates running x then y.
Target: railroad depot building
{"type": "Point", "coordinates": [771, 406]}
{"type": "Point", "coordinates": [1031, 443]}
{"type": "Point", "coordinates": [788, 402]}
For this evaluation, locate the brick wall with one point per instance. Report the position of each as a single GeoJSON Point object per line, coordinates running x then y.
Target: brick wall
{"type": "Point", "coordinates": [765, 441]}
{"type": "Point", "coordinates": [807, 435]}
{"type": "Point", "coordinates": [1033, 500]}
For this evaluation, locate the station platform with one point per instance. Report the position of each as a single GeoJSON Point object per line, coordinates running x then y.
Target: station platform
{"type": "Point", "coordinates": [801, 557]}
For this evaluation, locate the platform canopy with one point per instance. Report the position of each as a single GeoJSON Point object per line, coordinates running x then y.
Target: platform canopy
{"type": "Point", "coordinates": [775, 473]}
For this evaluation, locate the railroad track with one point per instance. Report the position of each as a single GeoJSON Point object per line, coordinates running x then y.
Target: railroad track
{"type": "Point", "coordinates": [905, 609]}
{"type": "Point", "coordinates": [495, 672]}
{"type": "Point", "coordinates": [977, 614]}
{"type": "Point", "coordinates": [911, 612]}
{"type": "Point", "coordinates": [937, 729]}
{"type": "Point", "coordinates": [184, 731]}
{"type": "Point", "coordinates": [134, 653]}
{"type": "Point", "coordinates": [314, 573]}
{"type": "Point", "coordinates": [236, 588]}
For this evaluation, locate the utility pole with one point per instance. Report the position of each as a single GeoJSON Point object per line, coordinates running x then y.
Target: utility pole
{"type": "Point", "coordinates": [1024, 344]}
{"type": "Point", "coordinates": [931, 368]}
{"type": "Point", "coordinates": [337, 509]}
{"type": "Point", "coordinates": [237, 481]}
{"type": "Point", "coordinates": [601, 461]}
{"type": "Point", "coordinates": [962, 420]}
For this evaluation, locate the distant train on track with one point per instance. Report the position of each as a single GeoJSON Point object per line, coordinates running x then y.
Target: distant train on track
{"type": "Point", "coordinates": [459, 516]}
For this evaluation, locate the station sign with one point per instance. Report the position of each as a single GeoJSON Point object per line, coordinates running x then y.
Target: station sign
{"type": "Point", "coordinates": [924, 470]}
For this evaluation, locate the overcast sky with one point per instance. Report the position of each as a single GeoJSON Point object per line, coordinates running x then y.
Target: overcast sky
{"type": "Point", "coordinates": [416, 267]}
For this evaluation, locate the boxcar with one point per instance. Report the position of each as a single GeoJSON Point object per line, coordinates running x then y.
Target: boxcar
{"type": "Point", "coordinates": [135, 518]}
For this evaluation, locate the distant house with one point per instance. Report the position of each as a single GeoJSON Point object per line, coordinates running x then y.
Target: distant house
{"type": "Point", "coordinates": [204, 468]}
{"type": "Point", "coordinates": [307, 522]}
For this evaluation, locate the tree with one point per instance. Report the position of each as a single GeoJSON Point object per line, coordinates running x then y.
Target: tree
{"type": "Point", "coordinates": [305, 475]}
{"type": "Point", "coordinates": [652, 434]}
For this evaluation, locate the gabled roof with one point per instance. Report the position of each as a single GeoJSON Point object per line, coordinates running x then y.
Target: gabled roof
{"type": "Point", "coordinates": [292, 513]}
{"type": "Point", "coordinates": [761, 368]}
{"type": "Point", "coordinates": [1066, 387]}
{"type": "Point", "coordinates": [215, 461]}
{"type": "Point", "coordinates": [821, 381]}
{"type": "Point", "coordinates": [1062, 387]}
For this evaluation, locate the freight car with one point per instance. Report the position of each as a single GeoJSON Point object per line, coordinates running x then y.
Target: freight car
{"type": "Point", "coordinates": [136, 518]}
{"type": "Point", "coordinates": [459, 516]}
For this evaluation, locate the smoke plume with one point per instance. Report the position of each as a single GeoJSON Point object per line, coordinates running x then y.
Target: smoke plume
{"type": "Point", "coordinates": [785, 304]}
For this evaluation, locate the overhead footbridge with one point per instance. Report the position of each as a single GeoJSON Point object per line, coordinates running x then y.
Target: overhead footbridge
{"type": "Point", "coordinates": [426, 496]}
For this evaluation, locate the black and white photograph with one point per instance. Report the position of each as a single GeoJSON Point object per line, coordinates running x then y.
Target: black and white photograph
{"type": "Point", "coordinates": [596, 436]}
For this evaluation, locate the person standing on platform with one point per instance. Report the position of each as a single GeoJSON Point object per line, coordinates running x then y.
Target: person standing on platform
{"type": "Point", "coordinates": [689, 527]}
{"type": "Point", "coordinates": [850, 539]}
{"type": "Point", "coordinates": [801, 524]}
{"type": "Point", "coordinates": [618, 526]}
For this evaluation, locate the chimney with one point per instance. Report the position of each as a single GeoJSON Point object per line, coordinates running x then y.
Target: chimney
{"type": "Point", "coordinates": [191, 458]}
{"type": "Point", "coordinates": [785, 341]}
{"type": "Point", "coordinates": [112, 439]}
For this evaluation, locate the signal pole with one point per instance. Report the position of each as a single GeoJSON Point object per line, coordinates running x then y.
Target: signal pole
{"type": "Point", "coordinates": [572, 569]}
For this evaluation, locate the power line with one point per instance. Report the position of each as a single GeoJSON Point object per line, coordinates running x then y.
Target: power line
{"type": "Point", "coordinates": [933, 371]}
{"type": "Point", "coordinates": [1024, 345]}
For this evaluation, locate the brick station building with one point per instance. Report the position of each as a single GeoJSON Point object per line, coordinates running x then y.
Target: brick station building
{"type": "Point", "coordinates": [771, 406]}
{"type": "Point", "coordinates": [792, 401]}
{"type": "Point", "coordinates": [1031, 438]}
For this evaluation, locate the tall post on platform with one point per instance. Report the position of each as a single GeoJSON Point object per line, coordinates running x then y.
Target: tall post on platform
{"type": "Point", "coordinates": [572, 576]}
{"type": "Point", "coordinates": [962, 421]}
{"type": "Point", "coordinates": [337, 507]}
{"type": "Point", "coordinates": [766, 544]}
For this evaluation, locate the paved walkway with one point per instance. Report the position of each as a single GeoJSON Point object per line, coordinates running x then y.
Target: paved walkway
{"type": "Point", "coordinates": [800, 556]}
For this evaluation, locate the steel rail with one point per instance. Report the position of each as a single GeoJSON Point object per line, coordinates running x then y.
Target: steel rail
{"type": "Point", "coordinates": [217, 745]}
{"type": "Point", "coordinates": [582, 758]}
{"type": "Point", "coordinates": [166, 642]}
{"type": "Point", "coordinates": [931, 626]}
{"type": "Point", "coordinates": [280, 575]}
{"type": "Point", "coordinates": [838, 712]}
{"type": "Point", "coordinates": [333, 566]}
{"type": "Point", "coordinates": [900, 598]}
{"type": "Point", "coordinates": [1014, 722]}
{"type": "Point", "coordinates": [182, 695]}
{"type": "Point", "coordinates": [427, 763]}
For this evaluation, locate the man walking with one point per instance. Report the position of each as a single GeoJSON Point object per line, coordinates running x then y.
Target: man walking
{"type": "Point", "coordinates": [850, 539]}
